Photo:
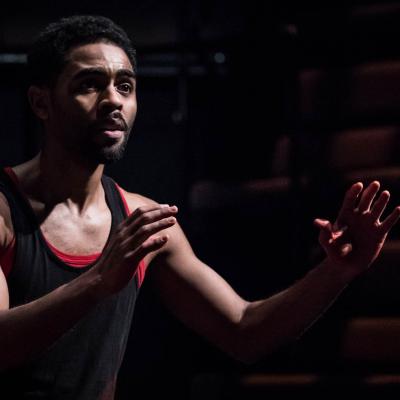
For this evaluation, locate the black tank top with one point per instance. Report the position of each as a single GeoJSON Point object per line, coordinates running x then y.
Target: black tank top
{"type": "Point", "coordinates": [82, 364]}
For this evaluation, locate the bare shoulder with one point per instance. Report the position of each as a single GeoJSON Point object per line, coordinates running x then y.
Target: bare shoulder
{"type": "Point", "coordinates": [177, 241]}
{"type": "Point", "coordinates": [135, 200]}
{"type": "Point", "coordinates": [6, 228]}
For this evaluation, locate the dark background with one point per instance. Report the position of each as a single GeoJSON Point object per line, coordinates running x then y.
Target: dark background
{"type": "Point", "coordinates": [254, 116]}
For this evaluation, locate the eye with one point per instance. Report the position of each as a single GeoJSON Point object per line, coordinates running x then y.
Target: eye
{"type": "Point", "coordinates": [125, 87]}
{"type": "Point", "coordinates": [89, 85]}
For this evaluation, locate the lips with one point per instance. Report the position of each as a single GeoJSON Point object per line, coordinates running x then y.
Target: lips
{"type": "Point", "coordinates": [114, 130]}
{"type": "Point", "coordinates": [112, 127]}
{"type": "Point", "coordinates": [113, 133]}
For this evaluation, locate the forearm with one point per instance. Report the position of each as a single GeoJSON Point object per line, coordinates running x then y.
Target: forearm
{"type": "Point", "coordinates": [27, 330]}
{"type": "Point", "coordinates": [270, 323]}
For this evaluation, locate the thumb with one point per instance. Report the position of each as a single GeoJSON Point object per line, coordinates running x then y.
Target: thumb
{"type": "Point", "coordinates": [322, 223]}
{"type": "Point", "coordinates": [325, 231]}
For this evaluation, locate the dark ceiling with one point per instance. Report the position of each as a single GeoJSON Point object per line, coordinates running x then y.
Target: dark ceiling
{"type": "Point", "coordinates": [158, 24]}
{"type": "Point", "coordinates": [150, 23]}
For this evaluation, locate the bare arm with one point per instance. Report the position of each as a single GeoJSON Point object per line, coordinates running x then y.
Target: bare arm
{"type": "Point", "coordinates": [45, 319]}
{"type": "Point", "coordinates": [250, 330]}
{"type": "Point", "coordinates": [48, 317]}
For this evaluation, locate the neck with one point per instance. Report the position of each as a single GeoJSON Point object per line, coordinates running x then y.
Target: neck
{"type": "Point", "coordinates": [53, 178]}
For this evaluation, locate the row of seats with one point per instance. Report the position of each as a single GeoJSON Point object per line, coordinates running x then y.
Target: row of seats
{"type": "Point", "coordinates": [347, 129]}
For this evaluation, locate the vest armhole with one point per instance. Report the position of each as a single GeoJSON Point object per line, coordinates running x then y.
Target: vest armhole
{"type": "Point", "coordinates": [141, 271]}
{"type": "Point", "coordinates": [7, 257]}
{"type": "Point", "coordinates": [125, 203]}
{"type": "Point", "coordinates": [7, 253]}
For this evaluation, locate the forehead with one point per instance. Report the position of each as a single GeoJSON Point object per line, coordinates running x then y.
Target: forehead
{"type": "Point", "coordinates": [100, 55]}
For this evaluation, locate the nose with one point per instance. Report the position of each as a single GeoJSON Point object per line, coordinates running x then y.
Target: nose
{"type": "Point", "coordinates": [110, 100]}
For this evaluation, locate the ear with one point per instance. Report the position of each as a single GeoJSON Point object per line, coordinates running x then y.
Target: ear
{"type": "Point", "coordinates": [39, 100]}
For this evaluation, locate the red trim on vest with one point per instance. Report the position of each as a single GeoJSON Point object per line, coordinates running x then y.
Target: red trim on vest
{"type": "Point", "coordinates": [7, 257]}
{"type": "Point", "coordinates": [8, 254]}
{"type": "Point", "coordinates": [73, 260]}
{"type": "Point", "coordinates": [141, 271]}
{"type": "Point", "coordinates": [10, 172]}
{"type": "Point", "coordinates": [77, 261]}
{"type": "Point", "coordinates": [121, 192]}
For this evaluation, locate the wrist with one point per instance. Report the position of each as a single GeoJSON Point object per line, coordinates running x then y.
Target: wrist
{"type": "Point", "coordinates": [93, 283]}
{"type": "Point", "coordinates": [342, 272]}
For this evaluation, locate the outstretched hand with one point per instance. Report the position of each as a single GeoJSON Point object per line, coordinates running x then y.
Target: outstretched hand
{"type": "Point", "coordinates": [357, 236]}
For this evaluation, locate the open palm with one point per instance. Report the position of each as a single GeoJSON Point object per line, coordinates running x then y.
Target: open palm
{"type": "Point", "coordinates": [357, 236]}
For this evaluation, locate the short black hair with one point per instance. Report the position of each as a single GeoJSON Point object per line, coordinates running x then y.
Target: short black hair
{"type": "Point", "coordinates": [47, 57]}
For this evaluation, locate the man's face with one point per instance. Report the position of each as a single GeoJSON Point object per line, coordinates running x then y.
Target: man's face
{"type": "Point", "coordinates": [93, 103]}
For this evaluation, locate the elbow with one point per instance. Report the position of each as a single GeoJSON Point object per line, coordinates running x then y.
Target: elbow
{"type": "Point", "coordinates": [245, 355]}
{"type": "Point", "coordinates": [253, 342]}
{"type": "Point", "coordinates": [246, 349]}
{"type": "Point", "coordinates": [249, 350]}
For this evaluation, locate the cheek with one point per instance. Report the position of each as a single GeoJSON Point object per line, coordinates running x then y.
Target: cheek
{"type": "Point", "coordinates": [71, 111]}
{"type": "Point", "coordinates": [132, 111]}
{"type": "Point", "coordinates": [82, 106]}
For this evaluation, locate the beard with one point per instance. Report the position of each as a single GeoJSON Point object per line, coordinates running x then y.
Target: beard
{"type": "Point", "coordinates": [103, 150]}
{"type": "Point", "coordinates": [107, 153]}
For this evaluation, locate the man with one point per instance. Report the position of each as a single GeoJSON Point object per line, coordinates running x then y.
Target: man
{"type": "Point", "coordinates": [75, 247]}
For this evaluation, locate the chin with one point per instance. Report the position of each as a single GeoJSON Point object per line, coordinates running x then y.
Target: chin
{"type": "Point", "coordinates": [108, 154]}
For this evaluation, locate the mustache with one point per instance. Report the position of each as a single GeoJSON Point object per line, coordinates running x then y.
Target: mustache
{"type": "Point", "coordinates": [112, 122]}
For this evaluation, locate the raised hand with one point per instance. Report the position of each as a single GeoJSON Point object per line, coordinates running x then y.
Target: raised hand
{"type": "Point", "coordinates": [357, 236]}
{"type": "Point", "coordinates": [140, 234]}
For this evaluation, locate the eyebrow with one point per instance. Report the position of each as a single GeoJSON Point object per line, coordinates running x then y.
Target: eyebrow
{"type": "Point", "coordinates": [123, 72]}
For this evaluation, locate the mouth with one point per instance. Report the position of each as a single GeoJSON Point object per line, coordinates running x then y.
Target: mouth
{"type": "Point", "coordinates": [112, 133]}
{"type": "Point", "coordinates": [115, 129]}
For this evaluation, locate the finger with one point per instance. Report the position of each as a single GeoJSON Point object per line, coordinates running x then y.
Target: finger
{"type": "Point", "coordinates": [144, 232]}
{"type": "Point", "coordinates": [143, 222]}
{"type": "Point", "coordinates": [138, 212]}
{"type": "Point", "coordinates": [390, 221]}
{"type": "Point", "coordinates": [349, 202]}
{"type": "Point", "coordinates": [321, 223]}
{"type": "Point", "coordinates": [325, 228]}
{"type": "Point", "coordinates": [146, 208]}
{"type": "Point", "coordinates": [337, 247]}
{"type": "Point", "coordinates": [337, 233]}
{"type": "Point", "coordinates": [368, 196]}
{"type": "Point", "coordinates": [147, 247]}
{"type": "Point", "coordinates": [145, 217]}
{"type": "Point", "coordinates": [329, 234]}
{"type": "Point", "coordinates": [380, 205]}
{"type": "Point", "coordinates": [345, 249]}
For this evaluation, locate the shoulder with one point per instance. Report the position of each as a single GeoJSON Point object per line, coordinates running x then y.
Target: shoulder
{"type": "Point", "coordinates": [177, 242]}
{"type": "Point", "coordinates": [6, 228]}
{"type": "Point", "coordinates": [135, 200]}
